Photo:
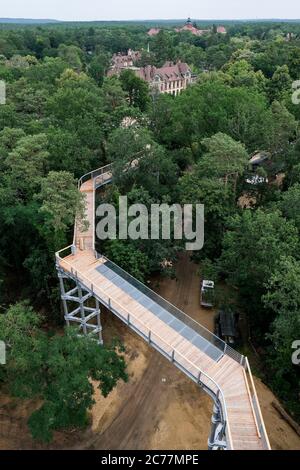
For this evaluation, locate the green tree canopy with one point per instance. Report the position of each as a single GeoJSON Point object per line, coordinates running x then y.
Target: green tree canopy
{"type": "Point", "coordinates": [139, 160]}
{"type": "Point", "coordinates": [26, 165]}
{"type": "Point", "coordinates": [56, 370]}
{"type": "Point", "coordinates": [72, 55]}
{"type": "Point", "coordinates": [283, 299]}
{"type": "Point", "coordinates": [218, 200]}
{"type": "Point", "coordinates": [60, 203]}
{"type": "Point", "coordinates": [211, 107]}
{"type": "Point", "coordinates": [252, 247]}
{"type": "Point", "coordinates": [290, 204]}
{"type": "Point", "coordinates": [223, 157]}
{"type": "Point", "coordinates": [241, 73]}
{"type": "Point", "coordinates": [136, 89]}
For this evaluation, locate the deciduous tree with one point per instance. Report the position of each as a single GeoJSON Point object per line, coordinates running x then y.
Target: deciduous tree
{"type": "Point", "coordinates": [56, 370]}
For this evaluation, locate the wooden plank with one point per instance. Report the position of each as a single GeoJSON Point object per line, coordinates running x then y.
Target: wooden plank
{"type": "Point", "coordinates": [226, 372]}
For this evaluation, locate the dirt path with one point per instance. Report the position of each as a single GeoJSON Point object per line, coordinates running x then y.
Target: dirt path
{"type": "Point", "coordinates": [149, 416]}
{"type": "Point", "coordinates": [184, 292]}
{"type": "Point", "coordinates": [159, 408]}
{"type": "Point", "coordinates": [281, 434]}
{"type": "Point", "coordinates": [164, 409]}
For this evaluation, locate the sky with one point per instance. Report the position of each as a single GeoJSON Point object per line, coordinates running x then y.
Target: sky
{"type": "Point", "coordinates": [86, 10]}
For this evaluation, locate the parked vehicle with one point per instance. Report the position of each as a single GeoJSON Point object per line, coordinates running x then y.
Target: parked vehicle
{"type": "Point", "coordinates": [256, 179]}
{"type": "Point", "coordinates": [226, 325]}
{"type": "Point", "coordinates": [207, 293]}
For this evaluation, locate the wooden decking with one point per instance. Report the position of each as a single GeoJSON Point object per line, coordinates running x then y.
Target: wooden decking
{"type": "Point", "coordinates": [84, 238]}
{"type": "Point", "coordinates": [194, 356]}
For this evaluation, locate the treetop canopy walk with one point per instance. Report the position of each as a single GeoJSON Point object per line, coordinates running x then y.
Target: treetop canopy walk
{"type": "Point", "coordinates": [225, 374]}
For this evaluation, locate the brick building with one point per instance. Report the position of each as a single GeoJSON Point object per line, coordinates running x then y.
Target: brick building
{"type": "Point", "coordinates": [190, 28]}
{"type": "Point", "coordinates": [153, 31]}
{"type": "Point", "coordinates": [120, 61]}
{"type": "Point", "coordinates": [170, 79]}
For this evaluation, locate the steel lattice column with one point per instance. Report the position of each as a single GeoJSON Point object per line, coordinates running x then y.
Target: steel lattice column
{"type": "Point", "coordinates": [215, 440]}
{"type": "Point", "coordinates": [88, 318]}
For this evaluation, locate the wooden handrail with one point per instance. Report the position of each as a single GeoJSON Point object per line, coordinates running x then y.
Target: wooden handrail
{"type": "Point", "coordinates": [251, 404]}
{"type": "Point", "coordinates": [264, 431]}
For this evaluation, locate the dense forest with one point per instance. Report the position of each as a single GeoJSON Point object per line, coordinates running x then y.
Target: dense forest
{"type": "Point", "coordinates": [63, 117]}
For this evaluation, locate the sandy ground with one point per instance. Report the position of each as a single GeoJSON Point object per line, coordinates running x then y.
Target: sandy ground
{"type": "Point", "coordinates": [159, 407]}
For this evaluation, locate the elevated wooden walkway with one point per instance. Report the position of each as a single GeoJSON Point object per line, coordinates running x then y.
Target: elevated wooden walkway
{"type": "Point", "coordinates": [205, 358]}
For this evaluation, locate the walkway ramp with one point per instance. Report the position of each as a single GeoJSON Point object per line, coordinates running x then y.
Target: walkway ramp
{"type": "Point", "coordinates": [206, 359]}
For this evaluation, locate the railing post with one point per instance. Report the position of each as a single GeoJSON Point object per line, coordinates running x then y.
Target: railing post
{"type": "Point", "coordinates": [128, 319]}
{"type": "Point", "coordinates": [149, 337]}
{"type": "Point", "coordinates": [173, 355]}
{"type": "Point", "coordinates": [215, 421]}
{"type": "Point", "coordinates": [199, 377]}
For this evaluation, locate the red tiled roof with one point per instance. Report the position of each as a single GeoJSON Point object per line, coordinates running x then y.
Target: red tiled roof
{"type": "Point", "coordinates": [153, 31]}
{"type": "Point", "coordinates": [168, 72]}
{"type": "Point", "coordinates": [120, 59]}
{"type": "Point", "coordinates": [189, 27]}
{"type": "Point", "coordinates": [199, 32]}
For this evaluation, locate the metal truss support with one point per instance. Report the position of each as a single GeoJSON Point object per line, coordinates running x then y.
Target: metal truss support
{"type": "Point", "coordinates": [217, 439]}
{"type": "Point", "coordinates": [87, 317]}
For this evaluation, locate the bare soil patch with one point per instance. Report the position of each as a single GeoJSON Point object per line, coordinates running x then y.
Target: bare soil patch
{"type": "Point", "coordinates": [159, 408]}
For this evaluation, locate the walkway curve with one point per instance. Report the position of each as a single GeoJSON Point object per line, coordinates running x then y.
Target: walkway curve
{"type": "Point", "coordinates": [237, 422]}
